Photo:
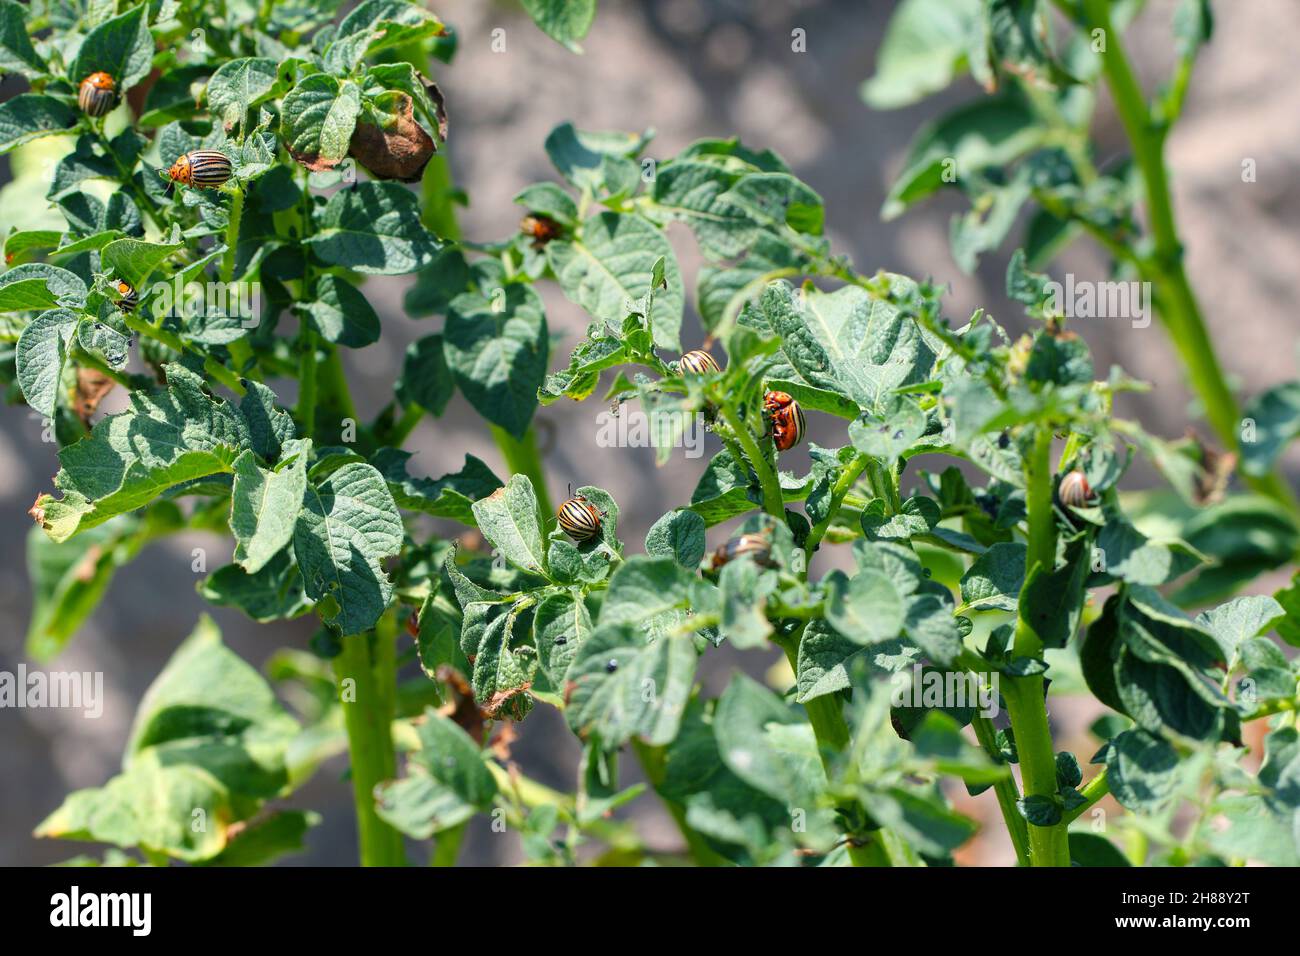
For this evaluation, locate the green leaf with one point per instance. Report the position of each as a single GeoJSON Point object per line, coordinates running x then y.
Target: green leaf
{"type": "Point", "coordinates": [267, 839]}
{"type": "Point", "coordinates": [1269, 422]}
{"type": "Point", "coordinates": [121, 47]}
{"type": "Point", "coordinates": [767, 744]}
{"type": "Point", "coordinates": [37, 286]}
{"type": "Point", "coordinates": [645, 591]}
{"type": "Point", "coordinates": [865, 608]}
{"type": "Point", "coordinates": [778, 199]}
{"type": "Point", "coordinates": [70, 578]}
{"type": "Point", "coordinates": [426, 378]}
{"type": "Point", "coordinates": [923, 51]}
{"type": "Point", "coordinates": [1143, 771]}
{"type": "Point", "coordinates": [17, 54]}
{"type": "Point", "coordinates": [1052, 601]}
{"type": "Point", "coordinates": [1253, 832]}
{"type": "Point", "coordinates": [624, 685]}
{"type": "Point", "coordinates": [348, 525]}
{"type": "Point", "coordinates": [508, 519]}
{"type": "Point", "coordinates": [450, 496]}
{"type": "Point", "coordinates": [264, 506]}
{"type": "Point", "coordinates": [317, 119]}
{"type": "Point", "coordinates": [916, 516]}
{"type": "Point", "coordinates": [166, 438]}
{"type": "Point", "coordinates": [447, 783]}
{"type": "Point", "coordinates": [549, 200]}
{"type": "Point", "coordinates": [610, 265]}
{"type": "Point", "coordinates": [136, 260]}
{"type": "Point", "coordinates": [1039, 810]}
{"type": "Point", "coordinates": [584, 157]}
{"type": "Point", "coordinates": [926, 824]}
{"type": "Point", "coordinates": [694, 193]}
{"type": "Point", "coordinates": [561, 625]}
{"type": "Point", "coordinates": [1289, 599]}
{"type": "Point", "coordinates": [377, 25]}
{"type": "Point", "coordinates": [1092, 849]}
{"type": "Point", "coordinates": [825, 658]}
{"type": "Point", "coordinates": [275, 593]}
{"type": "Point", "coordinates": [239, 86]}
{"type": "Point", "coordinates": [269, 426]}
{"type": "Point", "coordinates": [890, 434]}
{"type": "Point", "coordinates": [29, 116]}
{"type": "Point", "coordinates": [1241, 619]}
{"type": "Point", "coordinates": [994, 580]}
{"type": "Point", "coordinates": [743, 589]}
{"type": "Point", "coordinates": [678, 535]}
{"type": "Point", "coordinates": [565, 21]}
{"type": "Point", "coordinates": [341, 314]}
{"type": "Point", "coordinates": [373, 228]}
{"type": "Point", "coordinates": [847, 341]}
{"type": "Point", "coordinates": [498, 349]}
{"type": "Point", "coordinates": [991, 131]}
{"type": "Point", "coordinates": [41, 352]}
{"type": "Point", "coordinates": [940, 745]}
{"type": "Point", "coordinates": [208, 736]}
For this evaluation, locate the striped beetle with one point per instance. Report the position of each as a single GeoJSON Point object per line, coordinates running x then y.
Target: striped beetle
{"type": "Point", "coordinates": [97, 94]}
{"type": "Point", "coordinates": [579, 518]}
{"type": "Point", "coordinates": [201, 168]}
{"type": "Point", "coordinates": [788, 422]}
{"type": "Point", "coordinates": [130, 298]}
{"type": "Point", "coordinates": [1074, 490]}
{"type": "Point", "coordinates": [757, 546]}
{"type": "Point", "coordinates": [698, 362]}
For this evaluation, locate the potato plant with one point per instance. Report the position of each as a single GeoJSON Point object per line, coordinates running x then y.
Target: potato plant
{"type": "Point", "coordinates": [975, 493]}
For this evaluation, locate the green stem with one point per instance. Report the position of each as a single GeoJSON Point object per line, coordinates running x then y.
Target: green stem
{"type": "Point", "coordinates": [652, 763]}
{"type": "Point", "coordinates": [1026, 705]}
{"type": "Point", "coordinates": [403, 427]}
{"type": "Point", "coordinates": [232, 236]}
{"type": "Point", "coordinates": [832, 733]}
{"type": "Point", "coordinates": [1164, 269]}
{"type": "Point", "coordinates": [773, 501]}
{"type": "Point", "coordinates": [522, 458]}
{"type": "Point", "coordinates": [446, 846]}
{"type": "Point", "coordinates": [370, 745]}
{"type": "Point", "coordinates": [306, 410]}
{"type": "Point", "coordinates": [1007, 792]}
{"type": "Point", "coordinates": [211, 366]}
{"type": "Point", "coordinates": [848, 477]}
{"type": "Point", "coordinates": [1092, 791]}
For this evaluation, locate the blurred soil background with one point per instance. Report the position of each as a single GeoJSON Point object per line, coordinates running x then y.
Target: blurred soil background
{"type": "Point", "coordinates": [690, 69]}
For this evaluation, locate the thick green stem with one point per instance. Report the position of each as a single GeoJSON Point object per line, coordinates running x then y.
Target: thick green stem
{"type": "Point", "coordinates": [1026, 705]}
{"type": "Point", "coordinates": [368, 718]}
{"type": "Point", "coordinates": [446, 846]}
{"type": "Point", "coordinates": [1006, 791]}
{"type": "Point", "coordinates": [522, 458]}
{"type": "Point", "coordinates": [232, 236]}
{"type": "Point", "coordinates": [832, 733]}
{"type": "Point", "coordinates": [773, 502]}
{"type": "Point", "coordinates": [306, 410]}
{"type": "Point", "coordinates": [1164, 269]}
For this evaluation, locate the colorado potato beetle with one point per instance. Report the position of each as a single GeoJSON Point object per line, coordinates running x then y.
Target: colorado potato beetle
{"type": "Point", "coordinates": [201, 168]}
{"type": "Point", "coordinates": [756, 546]}
{"type": "Point", "coordinates": [97, 94]}
{"type": "Point", "coordinates": [579, 518]}
{"type": "Point", "coordinates": [130, 298]}
{"type": "Point", "coordinates": [1074, 490]}
{"type": "Point", "coordinates": [542, 228]}
{"type": "Point", "coordinates": [698, 362]}
{"type": "Point", "coordinates": [788, 422]}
